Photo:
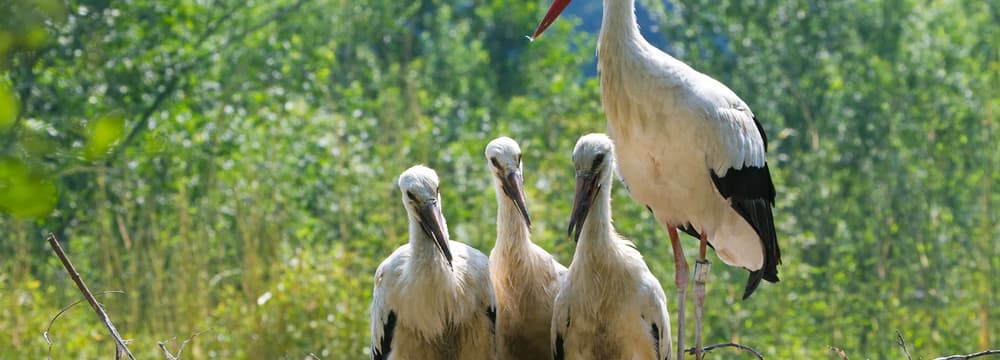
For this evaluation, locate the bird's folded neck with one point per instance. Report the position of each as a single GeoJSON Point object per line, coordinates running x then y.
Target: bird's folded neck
{"type": "Point", "coordinates": [512, 231]}
{"type": "Point", "coordinates": [598, 233]}
{"type": "Point", "coordinates": [619, 27]}
{"type": "Point", "coordinates": [425, 250]}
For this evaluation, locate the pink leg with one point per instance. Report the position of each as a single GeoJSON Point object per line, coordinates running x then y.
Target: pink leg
{"type": "Point", "coordinates": [681, 279]}
{"type": "Point", "coordinates": [701, 271]}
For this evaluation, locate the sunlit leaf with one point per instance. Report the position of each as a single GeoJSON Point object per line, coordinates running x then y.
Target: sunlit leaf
{"type": "Point", "coordinates": [25, 193]}
{"type": "Point", "coordinates": [103, 134]}
{"type": "Point", "coordinates": [9, 104]}
{"type": "Point", "coordinates": [35, 37]}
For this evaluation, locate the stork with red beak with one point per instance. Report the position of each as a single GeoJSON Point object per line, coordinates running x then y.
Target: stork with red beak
{"type": "Point", "coordinates": [690, 150]}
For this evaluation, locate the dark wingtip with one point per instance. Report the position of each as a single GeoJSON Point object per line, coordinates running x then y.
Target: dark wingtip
{"type": "Point", "coordinates": [752, 282]}
{"type": "Point", "coordinates": [558, 353]}
{"type": "Point", "coordinates": [385, 348]}
{"type": "Point", "coordinates": [771, 277]}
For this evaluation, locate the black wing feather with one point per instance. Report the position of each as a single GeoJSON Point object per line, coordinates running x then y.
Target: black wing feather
{"type": "Point", "coordinates": [760, 129]}
{"type": "Point", "coordinates": [690, 230]}
{"type": "Point", "coordinates": [388, 328]}
{"type": "Point", "coordinates": [491, 313]}
{"type": "Point", "coordinates": [687, 229]}
{"type": "Point", "coordinates": [655, 331]}
{"type": "Point", "coordinates": [751, 194]}
{"type": "Point", "coordinates": [558, 353]}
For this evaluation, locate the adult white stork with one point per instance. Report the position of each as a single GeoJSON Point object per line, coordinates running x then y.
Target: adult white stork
{"type": "Point", "coordinates": [525, 277]}
{"type": "Point", "coordinates": [432, 297]}
{"type": "Point", "coordinates": [610, 305]}
{"type": "Point", "coordinates": [690, 150]}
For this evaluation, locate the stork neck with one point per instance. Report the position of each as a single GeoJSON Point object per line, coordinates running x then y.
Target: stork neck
{"type": "Point", "coordinates": [512, 231]}
{"type": "Point", "coordinates": [423, 246]}
{"type": "Point", "coordinates": [598, 232]}
{"type": "Point", "coordinates": [619, 26]}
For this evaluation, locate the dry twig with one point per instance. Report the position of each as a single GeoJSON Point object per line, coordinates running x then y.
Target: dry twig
{"type": "Point", "coordinates": [52, 321]}
{"type": "Point", "coordinates": [101, 314]}
{"type": "Point", "coordinates": [902, 344]}
{"type": "Point", "coordinates": [748, 349]}
{"type": "Point", "coordinates": [969, 356]}
{"type": "Point", "coordinates": [163, 345]}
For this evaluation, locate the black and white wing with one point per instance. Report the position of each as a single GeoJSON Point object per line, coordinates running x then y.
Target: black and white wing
{"type": "Point", "coordinates": [560, 326]}
{"type": "Point", "coordinates": [383, 317]}
{"type": "Point", "coordinates": [738, 167]}
{"type": "Point", "coordinates": [655, 317]}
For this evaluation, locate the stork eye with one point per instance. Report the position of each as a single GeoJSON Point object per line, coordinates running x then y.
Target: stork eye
{"type": "Point", "coordinates": [410, 195]}
{"type": "Point", "coordinates": [518, 158]}
{"type": "Point", "coordinates": [496, 163]}
{"type": "Point", "coordinates": [437, 190]}
{"type": "Point", "coordinates": [597, 161]}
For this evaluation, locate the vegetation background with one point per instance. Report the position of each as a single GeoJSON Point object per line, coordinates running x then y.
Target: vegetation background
{"type": "Point", "coordinates": [230, 165]}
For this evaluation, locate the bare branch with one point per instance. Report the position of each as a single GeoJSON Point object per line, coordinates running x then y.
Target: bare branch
{"type": "Point", "coordinates": [902, 344]}
{"type": "Point", "coordinates": [969, 356]}
{"type": "Point", "coordinates": [163, 346]}
{"type": "Point", "coordinates": [313, 356]}
{"type": "Point", "coordinates": [52, 321]}
{"type": "Point", "coordinates": [101, 314]}
{"type": "Point", "coordinates": [742, 347]}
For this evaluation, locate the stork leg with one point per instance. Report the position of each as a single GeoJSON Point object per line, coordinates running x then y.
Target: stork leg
{"type": "Point", "coordinates": [681, 279]}
{"type": "Point", "coordinates": [701, 271]}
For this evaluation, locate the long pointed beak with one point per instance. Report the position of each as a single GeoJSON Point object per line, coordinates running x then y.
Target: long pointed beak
{"type": "Point", "coordinates": [513, 187]}
{"type": "Point", "coordinates": [557, 8]}
{"type": "Point", "coordinates": [432, 223]}
{"type": "Point", "coordinates": [586, 190]}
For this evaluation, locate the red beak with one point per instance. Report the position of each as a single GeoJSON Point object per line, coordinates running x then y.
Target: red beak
{"type": "Point", "coordinates": [557, 8]}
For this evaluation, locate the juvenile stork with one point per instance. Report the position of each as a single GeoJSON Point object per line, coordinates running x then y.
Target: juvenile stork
{"type": "Point", "coordinates": [610, 305]}
{"type": "Point", "coordinates": [432, 297]}
{"type": "Point", "coordinates": [525, 277]}
{"type": "Point", "coordinates": [690, 150]}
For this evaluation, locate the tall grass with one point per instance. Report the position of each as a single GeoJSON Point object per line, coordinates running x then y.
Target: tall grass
{"type": "Point", "coordinates": [264, 283]}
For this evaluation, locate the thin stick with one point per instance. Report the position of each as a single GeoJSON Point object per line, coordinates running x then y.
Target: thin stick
{"type": "Point", "coordinates": [163, 346]}
{"type": "Point", "coordinates": [902, 344]}
{"type": "Point", "coordinates": [88, 295]}
{"type": "Point", "coordinates": [969, 356]}
{"type": "Point", "coordinates": [748, 349]}
{"type": "Point", "coordinates": [52, 321]}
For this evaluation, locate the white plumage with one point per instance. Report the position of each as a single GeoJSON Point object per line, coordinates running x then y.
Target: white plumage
{"type": "Point", "coordinates": [610, 305]}
{"type": "Point", "coordinates": [689, 149]}
{"type": "Point", "coordinates": [525, 277]}
{"type": "Point", "coordinates": [433, 298]}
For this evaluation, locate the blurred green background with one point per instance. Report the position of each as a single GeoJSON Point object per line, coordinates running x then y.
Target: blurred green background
{"type": "Point", "coordinates": [231, 165]}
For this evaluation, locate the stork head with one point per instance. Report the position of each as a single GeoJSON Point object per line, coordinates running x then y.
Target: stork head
{"type": "Point", "coordinates": [593, 159]}
{"type": "Point", "coordinates": [421, 198]}
{"type": "Point", "coordinates": [504, 158]}
{"type": "Point", "coordinates": [557, 8]}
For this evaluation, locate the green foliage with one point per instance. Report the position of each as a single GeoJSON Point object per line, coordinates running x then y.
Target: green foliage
{"type": "Point", "coordinates": [232, 166]}
{"type": "Point", "coordinates": [9, 107]}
